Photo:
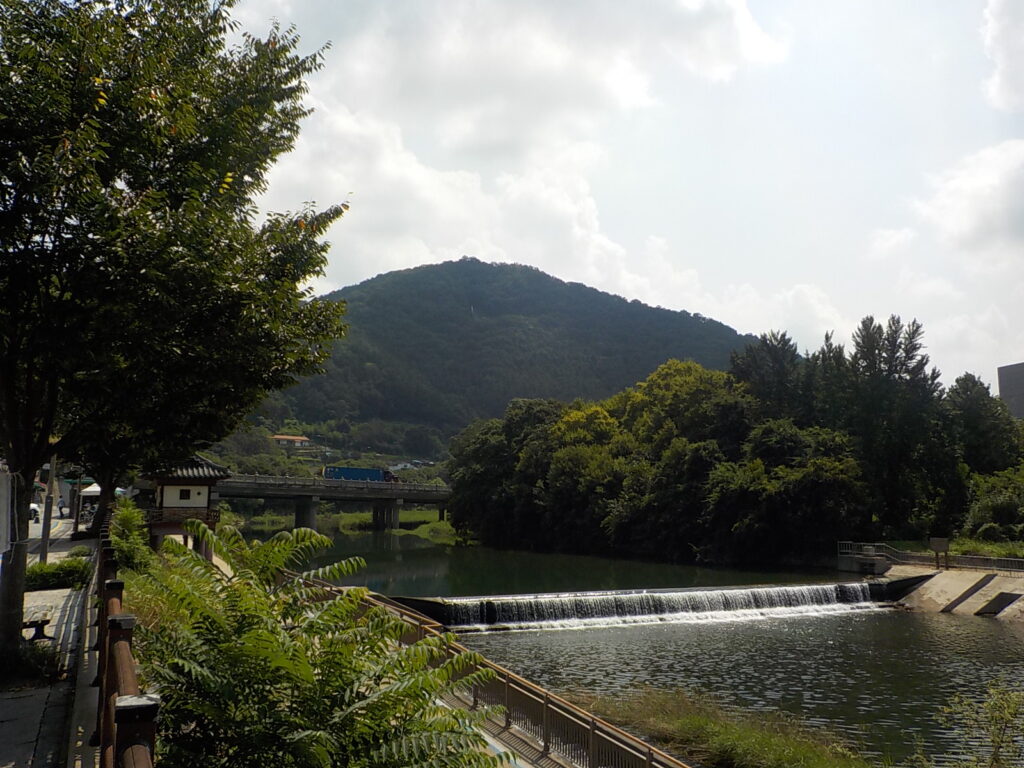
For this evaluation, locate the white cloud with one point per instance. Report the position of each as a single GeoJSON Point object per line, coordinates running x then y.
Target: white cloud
{"type": "Point", "coordinates": [974, 341]}
{"type": "Point", "coordinates": [475, 131]}
{"type": "Point", "coordinates": [976, 206]}
{"type": "Point", "coordinates": [885, 243]}
{"type": "Point", "coordinates": [1003, 33]}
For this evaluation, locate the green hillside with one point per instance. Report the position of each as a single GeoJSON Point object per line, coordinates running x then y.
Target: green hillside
{"type": "Point", "coordinates": [440, 345]}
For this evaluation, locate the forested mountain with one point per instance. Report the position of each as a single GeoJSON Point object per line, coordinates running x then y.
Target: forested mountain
{"type": "Point", "coordinates": [434, 347]}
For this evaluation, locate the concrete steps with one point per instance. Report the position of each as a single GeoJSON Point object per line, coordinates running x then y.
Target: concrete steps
{"type": "Point", "coordinates": [968, 592]}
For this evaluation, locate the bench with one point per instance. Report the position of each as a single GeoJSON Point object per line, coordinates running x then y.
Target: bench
{"type": "Point", "coordinates": [36, 618]}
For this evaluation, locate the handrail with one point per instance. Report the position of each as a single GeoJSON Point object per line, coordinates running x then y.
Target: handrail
{"type": "Point", "coordinates": [892, 554]}
{"type": "Point", "coordinates": [322, 482]}
{"type": "Point", "coordinates": [559, 725]}
{"type": "Point", "coordinates": [125, 717]}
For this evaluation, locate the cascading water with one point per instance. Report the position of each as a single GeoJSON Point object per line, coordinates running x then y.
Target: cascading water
{"type": "Point", "coordinates": [585, 609]}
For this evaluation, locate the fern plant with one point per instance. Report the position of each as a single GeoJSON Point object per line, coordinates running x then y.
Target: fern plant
{"type": "Point", "coordinates": [257, 666]}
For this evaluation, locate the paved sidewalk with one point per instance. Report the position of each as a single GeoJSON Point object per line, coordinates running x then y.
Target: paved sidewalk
{"type": "Point", "coordinates": [34, 718]}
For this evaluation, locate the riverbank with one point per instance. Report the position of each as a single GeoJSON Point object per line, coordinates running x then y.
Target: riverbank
{"type": "Point", "coordinates": [696, 728]}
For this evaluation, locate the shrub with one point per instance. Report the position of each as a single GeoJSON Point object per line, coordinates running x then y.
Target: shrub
{"type": "Point", "coordinates": [130, 537]}
{"type": "Point", "coordinates": [81, 550]}
{"type": "Point", "coordinates": [71, 572]}
{"type": "Point", "coordinates": [256, 667]}
{"type": "Point", "coordinates": [991, 532]}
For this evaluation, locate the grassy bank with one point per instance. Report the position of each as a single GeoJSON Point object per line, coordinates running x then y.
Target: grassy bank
{"type": "Point", "coordinates": [420, 522]}
{"type": "Point", "coordinates": [696, 728]}
{"type": "Point", "coordinates": [351, 522]}
{"type": "Point", "coordinates": [965, 546]}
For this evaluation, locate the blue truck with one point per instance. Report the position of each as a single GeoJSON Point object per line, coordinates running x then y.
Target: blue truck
{"type": "Point", "coordinates": [359, 473]}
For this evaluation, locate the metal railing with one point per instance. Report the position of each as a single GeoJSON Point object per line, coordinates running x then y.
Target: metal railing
{"type": "Point", "coordinates": [125, 717]}
{"type": "Point", "coordinates": [890, 553]}
{"type": "Point", "coordinates": [321, 482]}
{"type": "Point", "coordinates": [558, 726]}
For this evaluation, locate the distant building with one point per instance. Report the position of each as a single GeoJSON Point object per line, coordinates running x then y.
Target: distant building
{"type": "Point", "coordinates": [182, 491]}
{"type": "Point", "coordinates": [292, 441]}
{"type": "Point", "coordinates": [1011, 388]}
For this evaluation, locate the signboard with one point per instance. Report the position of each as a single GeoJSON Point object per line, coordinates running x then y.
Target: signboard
{"type": "Point", "coordinates": [938, 545]}
{"type": "Point", "coordinates": [6, 506]}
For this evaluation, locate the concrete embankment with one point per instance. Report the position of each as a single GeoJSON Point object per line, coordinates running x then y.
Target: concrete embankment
{"type": "Point", "coordinates": [966, 592]}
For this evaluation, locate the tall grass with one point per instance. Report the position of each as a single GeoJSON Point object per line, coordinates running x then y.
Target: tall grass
{"type": "Point", "coordinates": [698, 729]}
{"type": "Point", "coordinates": [363, 521]}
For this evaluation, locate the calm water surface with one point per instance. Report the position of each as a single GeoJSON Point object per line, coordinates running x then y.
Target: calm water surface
{"type": "Point", "coordinates": [405, 565]}
{"type": "Point", "coordinates": [879, 677]}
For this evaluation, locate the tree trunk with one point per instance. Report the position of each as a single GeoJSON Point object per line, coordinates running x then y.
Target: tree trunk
{"type": "Point", "coordinates": [12, 576]}
{"type": "Point", "coordinates": [107, 480]}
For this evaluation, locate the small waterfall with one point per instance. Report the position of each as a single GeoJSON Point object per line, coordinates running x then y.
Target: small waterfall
{"type": "Point", "coordinates": [583, 609]}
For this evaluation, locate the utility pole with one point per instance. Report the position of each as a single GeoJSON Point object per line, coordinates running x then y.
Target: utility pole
{"type": "Point", "coordinates": [44, 548]}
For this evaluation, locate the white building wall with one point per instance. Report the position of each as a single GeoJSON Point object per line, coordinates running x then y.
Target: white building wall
{"type": "Point", "coordinates": [197, 496]}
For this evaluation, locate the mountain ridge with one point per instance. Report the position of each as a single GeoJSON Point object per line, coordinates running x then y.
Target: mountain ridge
{"type": "Point", "coordinates": [442, 344]}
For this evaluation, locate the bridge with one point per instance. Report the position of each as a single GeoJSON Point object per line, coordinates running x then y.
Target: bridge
{"type": "Point", "coordinates": [308, 492]}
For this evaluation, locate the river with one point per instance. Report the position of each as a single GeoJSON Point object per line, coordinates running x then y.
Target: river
{"type": "Point", "coordinates": [879, 677]}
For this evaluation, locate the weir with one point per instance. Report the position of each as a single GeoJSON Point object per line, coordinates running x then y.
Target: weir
{"type": "Point", "coordinates": [583, 609]}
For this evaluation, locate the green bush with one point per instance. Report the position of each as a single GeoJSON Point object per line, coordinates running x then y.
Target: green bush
{"type": "Point", "coordinates": [991, 532]}
{"type": "Point", "coordinates": [129, 536]}
{"type": "Point", "coordinates": [262, 668]}
{"type": "Point", "coordinates": [73, 572]}
{"type": "Point", "coordinates": [81, 550]}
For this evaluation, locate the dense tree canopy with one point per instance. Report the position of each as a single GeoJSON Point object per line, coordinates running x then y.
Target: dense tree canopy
{"type": "Point", "coordinates": [777, 460]}
{"type": "Point", "coordinates": [143, 311]}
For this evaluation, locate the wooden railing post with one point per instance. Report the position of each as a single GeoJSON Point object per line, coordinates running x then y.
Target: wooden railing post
{"type": "Point", "coordinates": [109, 589]}
{"type": "Point", "coordinates": [591, 743]}
{"type": "Point", "coordinates": [111, 592]}
{"type": "Point", "coordinates": [119, 632]}
{"type": "Point", "coordinates": [135, 717]}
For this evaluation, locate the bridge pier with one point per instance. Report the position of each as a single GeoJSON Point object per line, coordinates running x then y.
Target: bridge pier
{"type": "Point", "coordinates": [386, 514]}
{"type": "Point", "coordinates": [442, 510]}
{"type": "Point", "coordinates": [305, 511]}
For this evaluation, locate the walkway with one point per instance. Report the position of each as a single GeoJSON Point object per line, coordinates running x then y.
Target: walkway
{"type": "Point", "coordinates": [34, 715]}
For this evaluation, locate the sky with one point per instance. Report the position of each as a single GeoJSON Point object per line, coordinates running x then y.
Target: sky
{"type": "Point", "coordinates": [773, 164]}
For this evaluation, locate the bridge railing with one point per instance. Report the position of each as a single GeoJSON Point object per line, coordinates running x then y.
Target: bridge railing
{"type": "Point", "coordinates": [890, 553]}
{"type": "Point", "coordinates": [558, 726]}
{"type": "Point", "coordinates": [321, 482]}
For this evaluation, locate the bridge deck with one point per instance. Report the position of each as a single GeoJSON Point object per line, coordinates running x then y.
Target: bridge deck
{"type": "Point", "coordinates": [267, 486]}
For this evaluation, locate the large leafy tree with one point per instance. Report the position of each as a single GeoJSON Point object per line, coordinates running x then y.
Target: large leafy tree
{"type": "Point", "coordinates": [770, 368]}
{"type": "Point", "coordinates": [989, 437]}
{"type": "Point", "coordinates": [142, 307]}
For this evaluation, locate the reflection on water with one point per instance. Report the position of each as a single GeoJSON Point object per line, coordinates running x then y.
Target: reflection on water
{"type": "Point", "coordinates": [411, 566]}
{"type": "Point", "coordinates": [878, 677]}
